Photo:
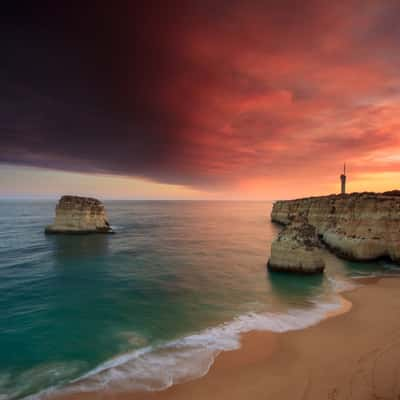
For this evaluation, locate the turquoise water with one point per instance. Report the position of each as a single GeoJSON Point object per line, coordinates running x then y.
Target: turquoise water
{"type": "Point", "coordinates": [151, 305]}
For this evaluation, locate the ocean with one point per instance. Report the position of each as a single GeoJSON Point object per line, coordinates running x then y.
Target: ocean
{"type": "Point", "coordinates": [151, 305]}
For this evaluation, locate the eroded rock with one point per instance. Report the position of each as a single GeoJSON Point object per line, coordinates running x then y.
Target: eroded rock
{"type": "Point", "coordinates": [297, 249]}
{"type": "Point", "coordinates": [357, 226]}
{"type": "Point", "coordinates": [75, 214]}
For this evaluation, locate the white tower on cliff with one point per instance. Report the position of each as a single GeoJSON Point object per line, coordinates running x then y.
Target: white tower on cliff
{"type": "Point", "coordinates": [343, 180]}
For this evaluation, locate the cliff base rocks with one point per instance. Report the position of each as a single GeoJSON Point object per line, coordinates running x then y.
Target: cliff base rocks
{"type": "Point", "coordinates": [297, 249]}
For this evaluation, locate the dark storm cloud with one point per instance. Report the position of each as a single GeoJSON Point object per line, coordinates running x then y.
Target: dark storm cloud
{"type": "Point", "coordinates": [195, 92]}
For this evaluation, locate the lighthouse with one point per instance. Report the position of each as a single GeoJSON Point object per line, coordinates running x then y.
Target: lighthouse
{"type": "Point", "coordinates": [343, 180]}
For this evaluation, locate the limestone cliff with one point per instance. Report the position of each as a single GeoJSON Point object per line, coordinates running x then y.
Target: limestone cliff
{"type": "Point", "coordinates": [358, 226]}
{"type": "Point", "coordinates": [297, 249]}
{"type": "Point", "coordinates": [76, 214]}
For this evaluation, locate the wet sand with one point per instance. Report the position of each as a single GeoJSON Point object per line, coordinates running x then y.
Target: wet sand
{"type": "Point", "coordinates": [354, 355]}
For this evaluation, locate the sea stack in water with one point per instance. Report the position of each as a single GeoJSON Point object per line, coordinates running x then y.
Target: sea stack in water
{"type": "Point", "coordinates": [79, 215]}
{"type": "Point", "coordinates": [297, 249]}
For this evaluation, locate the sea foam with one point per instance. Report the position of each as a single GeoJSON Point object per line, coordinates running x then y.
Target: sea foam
{"type": "Point", "coordinates": [155, 368]}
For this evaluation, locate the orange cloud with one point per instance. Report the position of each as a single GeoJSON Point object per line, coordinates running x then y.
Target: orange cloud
{"type": "Point", "coordinates": [264, 97]}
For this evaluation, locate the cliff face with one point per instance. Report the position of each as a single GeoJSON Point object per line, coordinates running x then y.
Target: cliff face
{"type": "Point", "coordinates": [76, 214]}
{"type": "Point", "coordinates": [359, 226]}
{"type": "Point", "coordinates": [297, 249]}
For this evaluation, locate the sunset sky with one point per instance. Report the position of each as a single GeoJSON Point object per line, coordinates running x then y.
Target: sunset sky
{"type": "Point", "coordinates": [238, 99]}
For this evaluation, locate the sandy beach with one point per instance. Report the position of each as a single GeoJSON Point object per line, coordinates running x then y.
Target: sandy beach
{"type": "Point", "coordinates": [354, 355]}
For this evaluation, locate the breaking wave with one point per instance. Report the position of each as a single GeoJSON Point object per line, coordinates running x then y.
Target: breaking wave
{"type": "Point", "coordinates": [155, 368]}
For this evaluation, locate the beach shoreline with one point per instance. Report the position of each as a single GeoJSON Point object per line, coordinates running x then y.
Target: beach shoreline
{"type": "Point", "coordinates": [345, 356]}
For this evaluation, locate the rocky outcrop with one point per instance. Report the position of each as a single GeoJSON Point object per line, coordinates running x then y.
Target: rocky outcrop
{"type": "Point", "coordinates": [297, 249]}
{"type": "Point", "coordinates": [76, 214]}
{"type": "Point", "coordinates": [357, 226]}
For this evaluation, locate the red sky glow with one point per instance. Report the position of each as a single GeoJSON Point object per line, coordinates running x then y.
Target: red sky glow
{"type": "Point", "coordinates": [242, 99]}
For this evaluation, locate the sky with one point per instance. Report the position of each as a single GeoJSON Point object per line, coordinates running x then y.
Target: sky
{"type": "Point", "coordinates": [238, 99]}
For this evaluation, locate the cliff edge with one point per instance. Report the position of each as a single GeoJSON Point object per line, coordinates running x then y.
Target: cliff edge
{"type": "Point", "coordinates": [76, 214]}
{"type": "Point", "coordinates": [357, 226]}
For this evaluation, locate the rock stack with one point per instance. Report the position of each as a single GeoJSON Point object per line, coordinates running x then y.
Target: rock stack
{"type": "Point", "coordinates": [297, 249]}
{"type": "Point", "coordinates": [79, 215]}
